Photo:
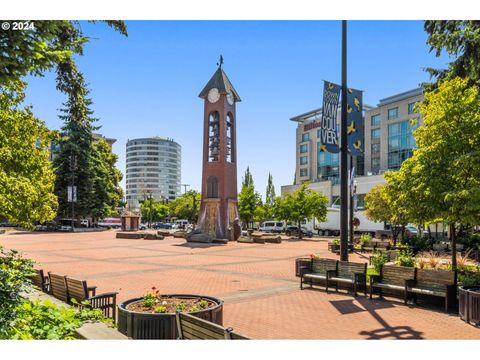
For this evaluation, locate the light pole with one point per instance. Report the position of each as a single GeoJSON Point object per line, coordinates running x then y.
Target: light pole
{"type": "Point", "coordinates": [73, 167]}
{"type": "Point", "coordinates": [344, 153]}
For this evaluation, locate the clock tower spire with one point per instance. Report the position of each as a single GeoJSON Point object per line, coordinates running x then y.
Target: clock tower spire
{"type": "Point", "coordinates": [219, 206]}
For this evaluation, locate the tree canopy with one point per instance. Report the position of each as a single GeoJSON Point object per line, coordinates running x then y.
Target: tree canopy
{"type": "Point", "coordinates": [461, 41]}
{"type": "Point", "coordinates": [26, 175]}
{"type": "Point", "coordinates": [186, 206]}
{"type": "Point", "coordinates": [301, 204]}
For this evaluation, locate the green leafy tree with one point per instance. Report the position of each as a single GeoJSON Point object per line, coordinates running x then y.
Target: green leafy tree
{"type": "Point", "coordinates": [461, 40]}
{"type": "Point", "coordinates": [448, 155]}
{"type": "Point", "coordinates": [34, 51]}
{"type": "Point", "coordinates": [186, 206]}
{"type": "Point", "coordinates": [108, 192]}
{"type": "Point", "coordinates": [248, 199]}
{"type": "Point", "coordinates": [159, 210]}
{"type": "Point", "coordinates": [381, 206]}
{"type": "Point", "coordinates": [26, 175]}
{"type": "Point", "coordinates": [302, 204]}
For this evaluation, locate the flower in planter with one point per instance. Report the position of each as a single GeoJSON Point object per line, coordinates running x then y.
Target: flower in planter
{"type": "Point", "coordinates": [160, 309]}
{"type": "Point", "coordinates": [194, 308]}
{"type": "Point", "coordinates": [203, 304]}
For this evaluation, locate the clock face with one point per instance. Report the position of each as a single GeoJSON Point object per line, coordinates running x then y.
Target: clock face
{"type": "Point", "coordinates": [213, 95]}
{"type": "Point", "coordinates": [230, 98]}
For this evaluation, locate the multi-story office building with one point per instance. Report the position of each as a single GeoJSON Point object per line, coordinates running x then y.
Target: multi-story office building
{"type": "Point", "coordinates": [153, 169]}
{"type": "Point", "coordinates": [388, 131]}
{"type": "Point", "coordinates": [388, 142]}
{"type": "Point", "coordinates": [313, 164]}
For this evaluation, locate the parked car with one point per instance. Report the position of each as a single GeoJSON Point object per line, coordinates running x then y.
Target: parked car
{"type": "Point", "coordinates": [272, 226]}
{"type": "Point", "coordinates": [84, 223]}
{"type": "Point", "coordinates": [142, 226]}
{"type": "Point", "coordinates": [180, 224]}
{"type": "Point", "coordinates": [293, 231]}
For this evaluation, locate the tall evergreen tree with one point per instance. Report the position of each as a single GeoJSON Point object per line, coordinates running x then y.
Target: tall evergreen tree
{"type": "Point", "coordinates": [460, 39]}
{"type": "Point", "coordinates": [247, 179]}
{"type": "Point", "coordinates": [75, 161]}
{"type": "Point", "coordinates": [270, 192]}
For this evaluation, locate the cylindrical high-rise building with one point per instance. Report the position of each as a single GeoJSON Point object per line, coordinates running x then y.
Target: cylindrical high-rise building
{"type": "Point", "coordinates": [153, 169]}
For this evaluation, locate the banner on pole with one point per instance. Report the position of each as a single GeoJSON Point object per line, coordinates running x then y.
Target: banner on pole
{"type": "Point", "coordinates": [72, 193]}
{"type": "Point", "coordinates": [329, 134]}
{"type": "Point", "coordinates": [355, 122]}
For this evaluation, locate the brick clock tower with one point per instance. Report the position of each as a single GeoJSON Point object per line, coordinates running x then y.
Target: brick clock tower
{"type": "Point", "coordinates": [219, 207]}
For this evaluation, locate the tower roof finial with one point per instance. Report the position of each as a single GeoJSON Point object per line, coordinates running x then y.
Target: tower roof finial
{"type": "Point", "coordinates": [220, 61]}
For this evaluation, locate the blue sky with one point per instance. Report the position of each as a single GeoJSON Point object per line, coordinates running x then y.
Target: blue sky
{"type": "Point", "coordinates": [148, 83]}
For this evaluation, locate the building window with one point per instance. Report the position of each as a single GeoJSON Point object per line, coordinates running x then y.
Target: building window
{"type": "Point", "coordinates": [328, 166]}
{"type": "Point", "coordinates": [375, 120]}
{"type": "Point", "coordinates": [303, 160]}
{"type": "Point", "coordinates": [303, 148]}
{"type": "Point", "coordinates": [400, 143]}
{"type": "Point", "coordinates": [303, 172]}
{"type": "Point", "coordinates": [360, 171]}
{"type": "Point", "coordinates": [375, 148]}
{"type": "Point", "coordinates": [375, 165]}
{"type": "Point", "coordinates": [411, 108]}
{"type": "Point", "coordinates": [305, 137]}
{"type": "Point", "coordinates": [375, 134]}
{"type": "Point", "coordinates": [319, 133]}
{"type": "Point", "coordinates": [392, 113]}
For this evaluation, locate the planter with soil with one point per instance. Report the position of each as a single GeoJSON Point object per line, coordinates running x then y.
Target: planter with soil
{"type": "Point", "coordinates": [153, 316]}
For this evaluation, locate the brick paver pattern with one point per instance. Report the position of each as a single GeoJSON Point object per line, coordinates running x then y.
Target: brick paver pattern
{"type": "Point", "coordinates": [256, 281]}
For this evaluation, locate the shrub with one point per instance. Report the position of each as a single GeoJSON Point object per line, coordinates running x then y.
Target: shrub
{"type": "Point", "coordinates": [43, 320]}
{"type": "Point", "coordinates": [336, 242]}
{"type": "Point", "coordinates": [406, 258]}
{"type": "Point", "coordinates": [470, 241]}
{"type": "Point", "coordinates": [364, 238]}
{"type": "Point", "coordinates": [194, 308]}
{"type": "Point", "coordinates": [203, 304]}
{"type": "Point", "coordinates": [378, 259]}
{"type": "Point", "coordinates": [422, 263]}
{"type": "Point", "coordinates": [418, 243]}
{"type": "Point", "coordinates": [15, 277]}
{"type": "Point", "coordinates": [469, 278]}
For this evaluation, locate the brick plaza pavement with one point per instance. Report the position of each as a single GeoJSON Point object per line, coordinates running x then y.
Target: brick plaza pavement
{"type": "Point", "coordinates": [256, 281]}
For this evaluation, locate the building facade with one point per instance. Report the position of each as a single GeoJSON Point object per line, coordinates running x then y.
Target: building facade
{"type": "Point", "coordinates": [388, 141]}
{"type": "Point", "coordinates": [153, 168]}
{"type": "Point", "coordinates": [313, 164]}
{"type": "Point", "coordinates": [388, 131]}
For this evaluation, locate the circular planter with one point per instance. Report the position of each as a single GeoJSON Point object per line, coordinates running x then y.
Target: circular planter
{"type": "Point", "coordinates": [469, 304]}
{"type": "Point", "coordinates": [140, 325]}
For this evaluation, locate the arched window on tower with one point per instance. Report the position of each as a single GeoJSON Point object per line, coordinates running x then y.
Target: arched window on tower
{"type": "Point", "coordinates": [212, 187]}
{"type": "Point", "coordinates": [213, 136]}
{"type": "Point", "coordinates": [230, 138]}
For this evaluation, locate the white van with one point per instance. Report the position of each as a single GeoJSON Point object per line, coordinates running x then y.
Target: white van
{"type": "Point", "coordinates": [272, 226]}
{"type": "Point", "coordinates": [180, 224]}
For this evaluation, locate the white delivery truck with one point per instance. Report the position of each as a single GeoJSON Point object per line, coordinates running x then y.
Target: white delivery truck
{"type": "Point", "coordinates": [331, 227]}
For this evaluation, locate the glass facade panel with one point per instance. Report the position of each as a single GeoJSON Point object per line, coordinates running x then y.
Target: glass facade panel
{"type": "Point", "coordinates": [328, 166]}
{"type": "Point", "coordinates": [305, 136]}
{"type": "Point", "coordinates": [400, 143]}
{"type": "Point", "coordinates": [375, 120]}
{"type": "Point", "coordinates": [303, 148]}
{"type": "Point", "coordinates": [375, 165]}
{"type": "Point", "coordinates": [303, 172]}
{"type": "Point", "coordinates": [303, 160]}
{"type": "Point", "coordinates": [411, 108]}
{"type": "Point", "coordinates": [393, 113]}
{"type": "Point", "coordinates": [375, 134]}
{"type": "Point", "coordinates": [376, 148]}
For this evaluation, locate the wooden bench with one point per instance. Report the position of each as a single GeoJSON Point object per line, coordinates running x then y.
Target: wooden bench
{"type": "Point", "coordinates": [375, 245]}
{"type": "Point", "coordinates": [40, 280]}
{"type": "Point", "coordinates": [392, 278]}
{"type": "Point", "coordinates": [317, 270]}
{"type": "Point", "coordinates": [78, 290]}
{"type": "Point", "coordinates": [58, 286]}
{"type": "Point", "coordinates": [349, 273]}
{"type": "Point", "coordinates": [440, 283]}
{"type": "Point", "coordinates": [193, 328]}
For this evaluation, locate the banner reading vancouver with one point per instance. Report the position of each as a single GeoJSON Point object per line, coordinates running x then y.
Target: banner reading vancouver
{"type": "Point", "coordinates": [329, 135]}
